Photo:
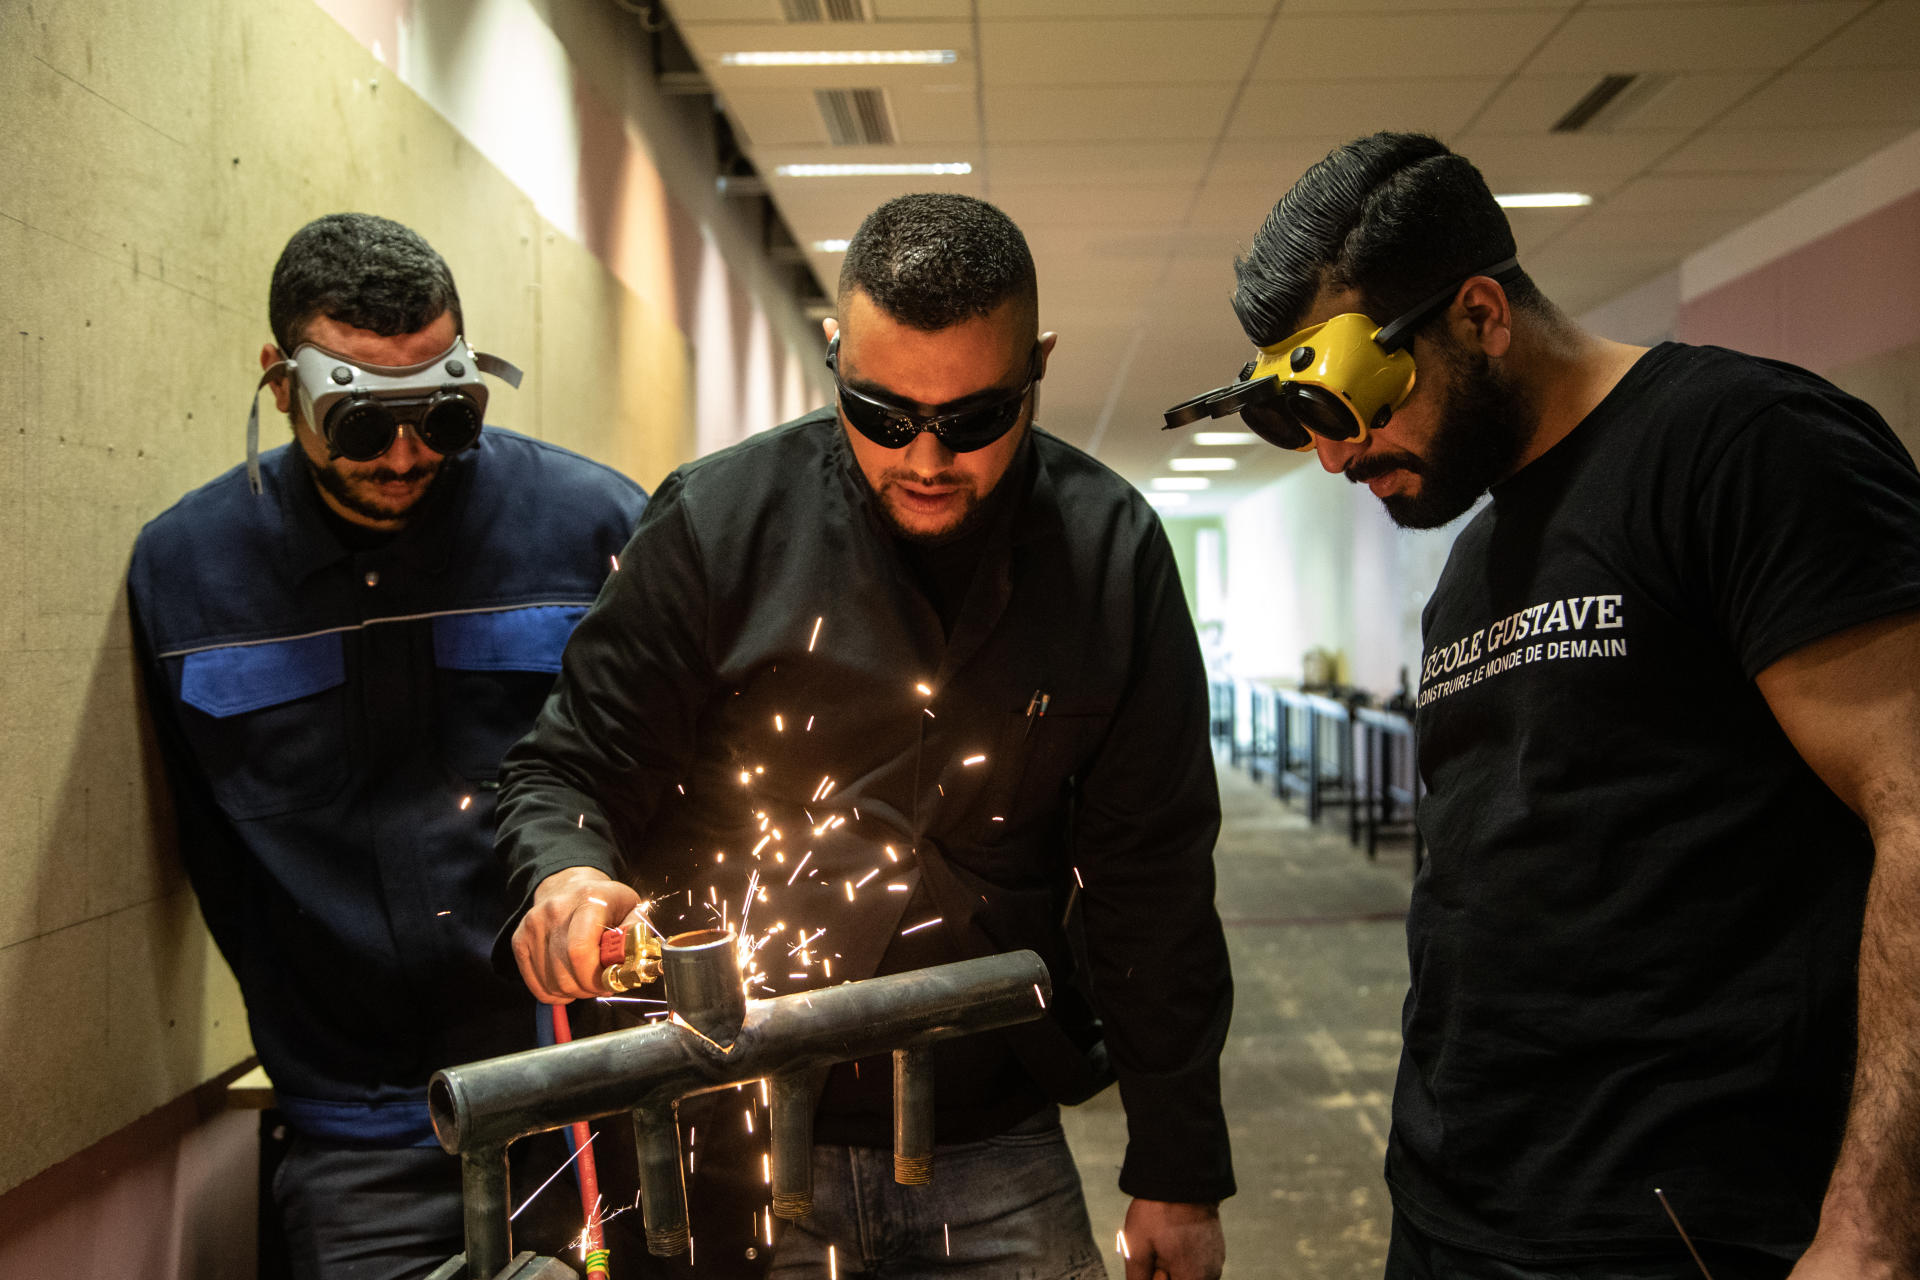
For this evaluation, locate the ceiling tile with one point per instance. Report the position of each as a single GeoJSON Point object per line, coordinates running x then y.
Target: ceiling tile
{"type": "Point", "coordinates": [1687, 193]}
{"type": "Point", "coordinates": [1535, 228]}
{"type": "Point", "coordinates": [1109, 51]}
{"type": "Point", "coordinates": [777, 118]}
{"type": "Point", "coordinates": [1691, 38]}
{"type": "Point", "coordinates": [686, 13]}
{"type": "Point", "coordinates": [1874, 95]}
{"type": "Point", "coordinates": [1287, 108]}
{"type": "Point", "coordinates": [1233, 206]}
{"type": "Point", "coordinates": [1106, 113]}
{"type": "Point", "coordinates": [1535, 103]}
{"type": "Point", "coordinates": [1048, 164]}
{"type": "Point", "coordinates": [934, 114]}
{"type": "Point", "coordinates": [1075, 206]}
{"type": "Point", "coordinates": [1595, 163]}
{"type": "Point", "coordinates": [1395, 46]}
{"type": "Point", "coordinates": [998, 10]}
{"type": "Point", "coordinates": [1421, 6]}
{"type": "Point", "coordinates": [1819, 150]}
{"type": "Point", "coordinates": [1888, 35]}
{"type": "Point", "coordinates": [921, 10]}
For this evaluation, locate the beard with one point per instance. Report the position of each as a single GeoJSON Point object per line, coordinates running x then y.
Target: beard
{"type": "Point", "coordinates": [359, 494]}
{"type": "Point", "coordinates": [970, 515]}
{"type": "Point", "coordinates": [1481, 432]}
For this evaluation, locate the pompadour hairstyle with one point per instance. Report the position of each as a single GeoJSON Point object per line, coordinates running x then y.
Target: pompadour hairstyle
{"type": "Point", "coordinates": [934, 260]}
{"type": "Point", "coordinates": [1397, 216]}
{"type": "Point", "coordinates": [362, 270]}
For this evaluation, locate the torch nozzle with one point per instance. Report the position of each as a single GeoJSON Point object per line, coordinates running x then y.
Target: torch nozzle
{"type": "Point", "coordinates": [629, 957]}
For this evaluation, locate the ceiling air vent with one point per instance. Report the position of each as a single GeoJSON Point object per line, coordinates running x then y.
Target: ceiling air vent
{"type": "Point", "coordinates": [1597, 99]}
{"type": "Point", "coordinates": [856, 117]}
{"type": "Point", "coordinates": [824, 10]}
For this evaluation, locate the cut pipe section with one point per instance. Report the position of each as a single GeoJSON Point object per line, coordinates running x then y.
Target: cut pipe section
{"type": "Point", "coordinates": [913, 1116]}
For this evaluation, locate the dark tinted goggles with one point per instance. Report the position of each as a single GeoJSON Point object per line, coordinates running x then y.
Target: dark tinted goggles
{"type": "Point", "coordinates": [962, 425]}
{"type": "Point", "coordinates": [363, 428]}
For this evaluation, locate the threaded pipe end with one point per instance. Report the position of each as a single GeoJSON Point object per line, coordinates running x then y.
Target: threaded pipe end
{"type": "Point", "coordinates": [912, 1171]}
{"type": "Point", "coordinates": [792, 1207]}
{"type": "Point", "coordinates": [667, 1242]}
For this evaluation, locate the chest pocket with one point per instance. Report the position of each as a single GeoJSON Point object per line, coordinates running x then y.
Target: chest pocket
{"type": "Point", "coordinates": [1041, 753]}
{"type": "Point", "coordinates": [269, 723]}
{"type": "Point", "coordinates": [495, 670]}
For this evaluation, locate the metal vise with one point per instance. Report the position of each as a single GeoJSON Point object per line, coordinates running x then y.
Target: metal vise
{"type": "Point", "coordinates": [717, 1038]}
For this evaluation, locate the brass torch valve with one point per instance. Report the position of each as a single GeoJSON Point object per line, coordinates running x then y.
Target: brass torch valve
{"type": "Point", "coordinates": [629, 956]}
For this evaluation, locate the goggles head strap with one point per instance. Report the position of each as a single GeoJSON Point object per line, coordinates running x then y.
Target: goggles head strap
{"type": "Point", "coordinates": [1399, 331]}
{"type": "Point", "coordinates": [278, 369]}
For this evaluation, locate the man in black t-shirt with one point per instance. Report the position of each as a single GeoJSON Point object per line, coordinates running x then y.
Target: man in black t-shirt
{"type": "Point", "coordinates": [1669, 934]}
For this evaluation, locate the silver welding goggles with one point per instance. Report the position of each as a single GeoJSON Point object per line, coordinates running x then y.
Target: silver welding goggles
{"type": "Point", "coordinates": [359, 409]}
{"type": "Point", "coordinates": [1340, 380]}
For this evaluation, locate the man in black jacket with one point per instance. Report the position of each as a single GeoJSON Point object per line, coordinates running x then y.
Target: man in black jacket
{"type": "Point", "coordinates": [894, 687]}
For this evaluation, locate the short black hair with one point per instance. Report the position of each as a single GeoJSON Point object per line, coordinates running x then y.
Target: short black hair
{"type": "Point", "coordinates": [1396, 216]}
{"type": "Point", "coordinates": [363, 270]}
{"type": "Point", "coordinates": [933, 260]}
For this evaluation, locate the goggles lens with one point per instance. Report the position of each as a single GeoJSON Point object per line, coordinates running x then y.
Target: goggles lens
{"type": "Point", "coordinates": [963, 427]}
{"type": "Point", "coordinates": [363, 429]}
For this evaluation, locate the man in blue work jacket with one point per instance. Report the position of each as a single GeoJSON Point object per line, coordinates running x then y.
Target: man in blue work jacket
{"type": "Point", "coordinates": [340, 640]}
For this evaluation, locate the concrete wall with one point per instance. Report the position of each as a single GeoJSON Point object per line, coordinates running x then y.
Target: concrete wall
{"type": "Point", "coordinates": [157, 157]}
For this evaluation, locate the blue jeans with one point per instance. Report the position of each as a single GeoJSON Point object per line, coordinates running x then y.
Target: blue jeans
{"type": "Point", "coordinates": [1009, 1208]}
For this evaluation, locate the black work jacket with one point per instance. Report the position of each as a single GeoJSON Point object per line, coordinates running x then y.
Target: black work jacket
{"type": "Point", "coordinates": [332, 723]}
{"type": "Point", "coordinates": [765, 663]}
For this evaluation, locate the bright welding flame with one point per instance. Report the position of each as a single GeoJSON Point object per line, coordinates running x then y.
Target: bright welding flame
{"type": "Point", "coordinates": [922, 689]}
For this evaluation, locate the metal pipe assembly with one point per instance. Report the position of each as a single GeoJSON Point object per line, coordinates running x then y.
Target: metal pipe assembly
{"type": "Point", "coordinates": [717, 1038]}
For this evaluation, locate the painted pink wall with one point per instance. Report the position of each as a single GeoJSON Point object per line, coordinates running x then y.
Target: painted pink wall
{"type": "Point", "coordinates": [1849, 296]}
{"type": "Point", "coordinates": [170, 1197]}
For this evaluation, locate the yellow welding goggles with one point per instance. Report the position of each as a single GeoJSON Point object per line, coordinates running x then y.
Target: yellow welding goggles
{"type": "Point", "coordinates": [1341, 379]}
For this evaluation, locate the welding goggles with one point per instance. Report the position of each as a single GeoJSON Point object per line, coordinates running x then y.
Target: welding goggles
{"type": "Point", "coordinates": [1341, 380]}
{"type": "Point", "coordinates": [359, 409]}
{"type": "Point", "coordinates": [964, 425]}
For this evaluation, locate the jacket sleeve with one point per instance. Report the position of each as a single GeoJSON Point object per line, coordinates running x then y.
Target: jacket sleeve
{"type": "Point", "coordinates": [215, 859]}
{"type": "Point", "coordinates": [1149, 812]}
{"type": "Point", "coordinates": [620, 722]}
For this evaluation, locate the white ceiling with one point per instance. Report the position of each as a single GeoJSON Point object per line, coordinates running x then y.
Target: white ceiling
{"type": "Point", "coordinates": [1139, 143]}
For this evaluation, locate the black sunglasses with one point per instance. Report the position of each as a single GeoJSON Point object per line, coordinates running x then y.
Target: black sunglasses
{"type": "Point", "coordinates": [964, 425]}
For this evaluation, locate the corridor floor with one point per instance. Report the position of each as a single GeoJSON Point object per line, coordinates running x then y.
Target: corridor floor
{"type": "Point", "coordinates": [1319, 966]}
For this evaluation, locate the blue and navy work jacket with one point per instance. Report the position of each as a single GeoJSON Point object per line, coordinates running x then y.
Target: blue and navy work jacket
{"type": "Point", "coordinates": [332, 721]}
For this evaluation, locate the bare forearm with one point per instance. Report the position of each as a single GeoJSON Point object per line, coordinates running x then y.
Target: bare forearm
{"type": "Point", "coordinates": [1872, 1206]}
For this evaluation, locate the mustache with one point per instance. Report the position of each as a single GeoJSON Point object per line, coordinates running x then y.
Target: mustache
{"type": "Point", "coordinates": [939, 480]}
{"type": "Point", "coordinates": [1375, 465]}
{"type": "Point", "coordinates": [386, 475]}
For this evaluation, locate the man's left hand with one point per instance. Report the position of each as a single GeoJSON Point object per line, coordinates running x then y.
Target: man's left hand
{"type": "Point", "coordinates": [1169, 1241]}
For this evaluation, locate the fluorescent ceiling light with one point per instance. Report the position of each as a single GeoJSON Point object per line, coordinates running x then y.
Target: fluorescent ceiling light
{"type": "Point", "coordinates": [830, 246]}
{"type": "Point", "coordinates": [1204, 464]}
{"type": "Point", "coordinates": [1169, 499]}
{"type": "Point", "coordinates": [1544, 200]}
{"type": "Point", "coordinates": [1224, 437]}
{"type": "Point", "coordinates": [871, 170]}
{"type": "Point", "coordinates": [839, 58]}
{"type": "Point", "coordinates": [1164, 483]}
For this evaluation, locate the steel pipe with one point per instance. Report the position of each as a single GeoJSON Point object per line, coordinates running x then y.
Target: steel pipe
{"type": "Point", "coordinates": [663, 1185]}
{"type": "Point", "coordinates": [702, 974]}
{"type": "Point", "coordinates": [790, 1124]}
{"type": "Point", "coordinates": [499, 1100]}
{"type": "Point", "coordinates": [481, 1107]}
{"type": "Point", "coordinates": [913, 1116]}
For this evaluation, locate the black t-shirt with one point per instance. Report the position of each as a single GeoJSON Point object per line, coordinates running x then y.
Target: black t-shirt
{"type": "Point", "coordinates": [1633, 947]}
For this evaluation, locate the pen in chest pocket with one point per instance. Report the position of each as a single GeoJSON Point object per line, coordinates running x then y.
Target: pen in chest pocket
{"type": "Point", "coordinates": [1036, 707]}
